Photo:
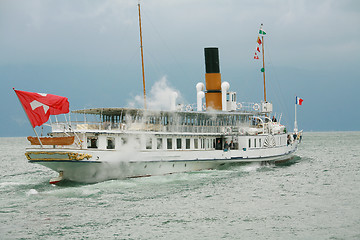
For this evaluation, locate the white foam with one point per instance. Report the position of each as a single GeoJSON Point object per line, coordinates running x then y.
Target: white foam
{"type": "Point", "coordinates": [5, 184]}
{"type": "Point", "coordinates": [251, 167]}
{"type": "Point", "coordinates": [32, 192]}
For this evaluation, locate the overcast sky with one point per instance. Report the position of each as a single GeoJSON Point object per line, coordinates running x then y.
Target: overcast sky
{"type": "Point", "coordinates": [89, 51]}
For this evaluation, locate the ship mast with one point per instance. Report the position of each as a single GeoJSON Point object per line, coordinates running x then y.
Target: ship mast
{"type": "Point", "coordinates": [142, 57]}
{"type": "Point", "coordinates": [263, 58]}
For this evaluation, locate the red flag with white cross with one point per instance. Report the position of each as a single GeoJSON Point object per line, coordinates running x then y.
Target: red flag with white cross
{"type": "Point", "coordinates": [39, 106]}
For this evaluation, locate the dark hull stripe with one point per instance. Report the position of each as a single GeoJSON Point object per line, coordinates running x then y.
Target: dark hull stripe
{"type": "Point", "coordinates": [190, 160]}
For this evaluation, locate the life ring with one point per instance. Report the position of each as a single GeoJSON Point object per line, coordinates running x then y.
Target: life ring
{"type": "Point", "coordinates": [256, 107]}
{"type": "Point", "coordinates": [239, 106]}
{"type": "Point", "coordinates": [227, 130]}
{"type": "Point", "coordinates": [242, 131]}
{"type": "Point", "coordinates": [188, 108]}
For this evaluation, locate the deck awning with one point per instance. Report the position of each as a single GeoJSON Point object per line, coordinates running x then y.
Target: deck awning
{"type": "Point", "coordinates": [138, 111]}
{"type": "Point", "coordinates": [111, 111]}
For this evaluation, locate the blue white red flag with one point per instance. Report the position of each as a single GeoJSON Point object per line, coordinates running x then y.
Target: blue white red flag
{"type": "Point", "coordinates": [298, 101]}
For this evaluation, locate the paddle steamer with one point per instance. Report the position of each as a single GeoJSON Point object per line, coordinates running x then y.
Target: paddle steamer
{"type": "Point", "coordinates": [129, 142]}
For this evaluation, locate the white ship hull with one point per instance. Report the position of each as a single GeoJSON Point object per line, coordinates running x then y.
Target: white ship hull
{"type": "Point", "coordinates": [136, 142]}
{"type": "Point", "coordinates": [105, 165]}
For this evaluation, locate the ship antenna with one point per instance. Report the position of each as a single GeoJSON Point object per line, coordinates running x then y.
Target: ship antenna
{"type": "Point", "coordinates": [142, 57]}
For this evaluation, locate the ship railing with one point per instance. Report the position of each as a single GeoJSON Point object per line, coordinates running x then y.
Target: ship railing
{"type": "Point", "coordinates": [74, 125]}
{"type": "Point", "coordinates": [81, 126]}
{"type": "Point", "coordinates": [246, 107]}
{"type": "Point", "coordinates": [187, 107]}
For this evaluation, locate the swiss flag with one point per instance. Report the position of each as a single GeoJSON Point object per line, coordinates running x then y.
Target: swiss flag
{"type": "Point", "coordinates": [39, 106]}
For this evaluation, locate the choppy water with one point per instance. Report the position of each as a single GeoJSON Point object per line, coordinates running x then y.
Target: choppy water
{"type": "Point", "coordinates": [315, 197]}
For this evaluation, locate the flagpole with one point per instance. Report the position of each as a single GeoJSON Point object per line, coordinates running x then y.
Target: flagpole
{"type": "Point", "coordinates": [295, 122]}
{"type": "Point", "coordinates": [29, 121]}
{"type": "Point", "coordinates": [142, 57]}
{"type": "Point", "coordinates": [263, 55]}
{"type": "Point", "coordinates": [37, 136]}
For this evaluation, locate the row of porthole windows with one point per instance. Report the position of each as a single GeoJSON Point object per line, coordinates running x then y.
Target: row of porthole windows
{"type": "Point", "coordinates": [145, 166]}
{"type": "Point", "coordinates": [156, 143]}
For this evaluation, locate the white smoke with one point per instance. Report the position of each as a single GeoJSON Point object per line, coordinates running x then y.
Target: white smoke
{"type": "Point", "coordinates": [118, 166]}
{"type": "Point", "coordinates": [159, 97]}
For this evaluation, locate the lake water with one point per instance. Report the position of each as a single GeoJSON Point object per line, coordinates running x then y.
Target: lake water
{"type": "Point", "coordinates": [317, 196]}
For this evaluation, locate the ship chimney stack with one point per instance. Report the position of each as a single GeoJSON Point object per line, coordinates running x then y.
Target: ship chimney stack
{"type": "Point", "coordinates": [212, 79]}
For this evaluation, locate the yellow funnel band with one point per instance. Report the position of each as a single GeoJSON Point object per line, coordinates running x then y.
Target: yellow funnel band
{"type": "Point", "coordinates": [213, 81]}
{"type": "Point", "coordinates": [213, 100]}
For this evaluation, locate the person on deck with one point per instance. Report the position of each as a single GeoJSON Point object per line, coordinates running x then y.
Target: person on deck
{"type": "Point", "coordinates": [232, 145]}
{"type": "Point", "coordinates": [226, 146]}
{"type": "Point", "coordinates": [218, 145]}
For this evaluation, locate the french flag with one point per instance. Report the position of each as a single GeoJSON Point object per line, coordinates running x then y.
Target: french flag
{"type": "Point", "coordinates": [298, 101]}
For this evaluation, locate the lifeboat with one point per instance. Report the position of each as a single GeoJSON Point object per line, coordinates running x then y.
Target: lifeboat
{"type": "Point", "coordinates": [52, 140]}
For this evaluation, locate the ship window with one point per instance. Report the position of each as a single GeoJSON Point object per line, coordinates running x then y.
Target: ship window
{"type": "Point", "coordinates": [169, 143]}
{"type": "Point", "coordinates": [196, 143]}
{"type": "Point", "coordinates": [249, 143]}
{"type": "Point", "coordinates": [92, 142]}
{"type": "Point", "coordinates": [178, 143]}
{"type": "Point", "coordinates": [260, 142]}
{"type": "Point", "coordinates": [149, 143]}
{"type": "Point", "coordinates": [187, 143]}
{"type": "Point", "coordinates": [110, 143]}
{"type": "Point", "coordinates": [255, 142]}
{"type": "Point", "coordinates": [159, 143]}
{"type": "Point", "coordinates": [202, 143]}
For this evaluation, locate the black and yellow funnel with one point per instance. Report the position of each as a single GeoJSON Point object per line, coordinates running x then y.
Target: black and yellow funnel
{"type": "Point", "coordinates": [212, 79]}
